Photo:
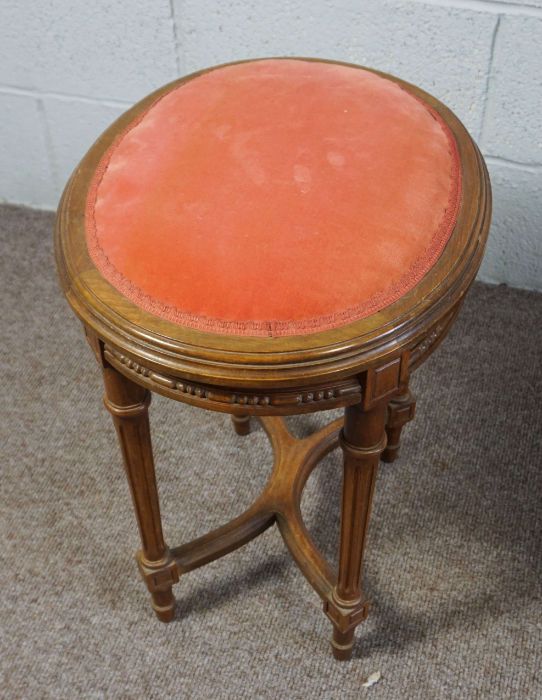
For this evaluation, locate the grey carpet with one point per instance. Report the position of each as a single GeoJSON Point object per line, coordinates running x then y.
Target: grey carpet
{"type": "Point", "coordinates": [453, 565]}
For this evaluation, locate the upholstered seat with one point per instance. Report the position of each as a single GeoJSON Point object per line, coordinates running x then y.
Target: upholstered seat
{"type": "Point", "coordinates": [274, 197]}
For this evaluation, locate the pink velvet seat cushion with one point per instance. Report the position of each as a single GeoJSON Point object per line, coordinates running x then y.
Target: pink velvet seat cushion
{"type": "Point", "coordinates": [275, 197]}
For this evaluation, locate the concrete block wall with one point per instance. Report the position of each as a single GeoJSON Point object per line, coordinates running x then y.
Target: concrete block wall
{"type": "Point", "coordinates": [70, 67]}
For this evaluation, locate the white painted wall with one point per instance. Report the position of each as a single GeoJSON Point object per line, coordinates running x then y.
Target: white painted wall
{"type": "Point", "coordinates": [69, 67]}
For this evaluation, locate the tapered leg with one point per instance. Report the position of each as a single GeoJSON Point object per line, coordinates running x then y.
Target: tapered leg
{"type": "Point", "coordinates": [128, 404]}
{"type": "Point", "coordinates": [362, 440]}
{"type": "Point", "coordinates": [241, 424]}
{"type": "Point", "coordinates": [401, 410]}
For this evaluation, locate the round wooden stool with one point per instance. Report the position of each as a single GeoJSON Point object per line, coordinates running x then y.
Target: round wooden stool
{"type": "Point", "coordinates": [268, 238]}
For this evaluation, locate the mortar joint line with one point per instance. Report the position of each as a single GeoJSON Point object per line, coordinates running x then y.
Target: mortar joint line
{"type": "Point", "coordinates": [489, 75]}
{"type": "Point", "coordinates": [176, 41]}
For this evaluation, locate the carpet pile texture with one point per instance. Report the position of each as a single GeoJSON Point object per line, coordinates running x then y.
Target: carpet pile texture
{"type": "Point", "coordinates": [453, 561]}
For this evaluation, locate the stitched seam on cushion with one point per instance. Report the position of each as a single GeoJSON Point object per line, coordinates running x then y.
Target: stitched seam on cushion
{"type": "Point", "coordinates": [276, 328]}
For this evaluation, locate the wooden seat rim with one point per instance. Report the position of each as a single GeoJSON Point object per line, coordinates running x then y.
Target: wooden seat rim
{"type": "Point", "coordinates": [291, 360]}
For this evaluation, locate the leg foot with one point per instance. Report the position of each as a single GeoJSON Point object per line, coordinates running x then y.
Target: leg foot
{"type": "Point", "coordinates": [241, 424]}
{"type": "Point", "coordinates": [163, 604]}
{"type": "Point", "coordinates": [159, 576]}
{"type": "Point", "coordinates": [342, 644]}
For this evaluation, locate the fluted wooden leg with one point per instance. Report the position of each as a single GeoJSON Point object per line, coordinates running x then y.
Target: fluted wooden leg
{"type": "Point", "coordinates": [128, 404]}
{"type": "Point", "coordinates": [401, 410]}
{"type": "Point", "coordinates": [241, 424]}
{"type": "Point", "coordinates": [362, 440]}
